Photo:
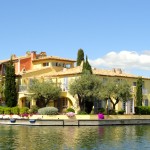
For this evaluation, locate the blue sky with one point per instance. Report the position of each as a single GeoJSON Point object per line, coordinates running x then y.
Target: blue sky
{"type": "Point", "coordinates": [113, 33]}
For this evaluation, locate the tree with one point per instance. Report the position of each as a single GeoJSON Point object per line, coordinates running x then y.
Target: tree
{"type": "Point", "coordinates": [115, 91]}
{"type": "Point", "coordinates": [86, 66]}
{"type": "Point", "coordinates": [1, 88]}
{"type": "Point", "coordinates": [44, 91]}
{"type": "Point", "coordinates": [10, 91]}
{"type": "Point", "coordinates": [87, 88]}
{"type": "Point", "coordinates": [139, 95]}
{"type": "Point", "coordinates": [80, 57]}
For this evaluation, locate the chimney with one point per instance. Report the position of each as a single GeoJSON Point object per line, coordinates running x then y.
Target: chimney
{"type": "Point", "coordinates": [13, 56]}
{"type": "Point", "coordinates": [33, 55]}
{"type": "Point", "coordinates": [119, 71]}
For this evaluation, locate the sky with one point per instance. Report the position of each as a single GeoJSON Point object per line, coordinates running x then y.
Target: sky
{"type": "Point", "coordinates": [112, 33]}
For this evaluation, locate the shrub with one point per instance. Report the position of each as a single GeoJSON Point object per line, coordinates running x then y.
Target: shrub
{"type": "Point", "coordinates": [48, 111]}
{"type": "Point", "coordinates": [15, 110]}
{"type": "Point", "coordinates": [101, 110]}
{"type": "Point", "coordinates": [112, 112]}
{"type": "Point", "coordinates": [121, 112]}
{"type": "Point", "coordinates": [24, 110]}
{"type": "Point", "coordinates": [7, 110]}
{"type": "Point", "coordinates": [1, 110]}
{"type": "Point", "coordinates": [33, 109]}
{"type": "Point", "coordinates": [142, 110]}
{"type": "Point", "coordinates": [70, 110]}
{"type": "Point", "coordinates": [82, 113]}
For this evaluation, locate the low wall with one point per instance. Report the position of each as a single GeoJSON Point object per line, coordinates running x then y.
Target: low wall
{"type": "Point", "coordinates": [77, 117]}
{"type": "Point", "coordinates": [74, 122]}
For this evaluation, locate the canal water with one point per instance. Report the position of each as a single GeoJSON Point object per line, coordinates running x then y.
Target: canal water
{"type": "Point", "coordinates": [75, 138]}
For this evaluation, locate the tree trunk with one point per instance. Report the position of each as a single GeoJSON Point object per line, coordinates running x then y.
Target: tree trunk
{"type": "Point", "coordinates": [114, 104]}
{"type": "Point", "coordinates": [81, 103]}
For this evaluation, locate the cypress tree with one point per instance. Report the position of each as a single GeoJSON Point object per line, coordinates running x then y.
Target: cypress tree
{"type": "Point", "coordinates": [86, 66]}
{"type": "Point", "coordinates": [80, 57]}
{"type": "Point", "coordinates": [10, 85]}
{"type": "Point", "coordinates": [139, 95]}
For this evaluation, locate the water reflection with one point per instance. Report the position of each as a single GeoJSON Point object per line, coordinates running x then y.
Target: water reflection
{"type": "Point", "coordinates": [74, 138]}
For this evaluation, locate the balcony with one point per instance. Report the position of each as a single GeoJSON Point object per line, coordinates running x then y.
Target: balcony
{"type": "Point", "coordinates": [144, 91]}
{"type": "Point", "coordinates": [23, 88]}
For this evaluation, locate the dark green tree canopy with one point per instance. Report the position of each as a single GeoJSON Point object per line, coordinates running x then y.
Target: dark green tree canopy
{"type": "Point", "coordinates": [10, 85]}
{"type": "Point", "coordinates": [44, 91]}
{"type": "Point", "coordinates": [80, 57]}
{"type": "Point", "coordinates": [86, 66]}
{"type": "Point", "coordinates": [139, 95]}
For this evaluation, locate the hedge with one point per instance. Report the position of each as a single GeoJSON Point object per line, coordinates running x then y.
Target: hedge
{"type": "Point", "coordinates": [142, 110]}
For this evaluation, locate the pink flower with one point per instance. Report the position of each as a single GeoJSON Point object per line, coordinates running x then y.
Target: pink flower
{"type": "Point", "coordinates": [70, 114]}
{"type": "Point", "coordinates": [100, 116]}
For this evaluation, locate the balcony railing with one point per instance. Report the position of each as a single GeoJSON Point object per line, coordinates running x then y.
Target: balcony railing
{"type": "Point", "coordinates": [144, 91]}
{"type": "Point", "coordinates": [22, 88]}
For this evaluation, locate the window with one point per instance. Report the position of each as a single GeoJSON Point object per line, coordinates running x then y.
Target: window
{"type": "Point", "coordinates": [68, 66]}
{"type": "Point", "coordinates": [65, 84]}
{"type": "Point", "coordinates": [146, 102]}
{"type": "Point", "coordinates": [118, 80]}
{"type": "Point", "coordinates": [45, 64]}
{"type": "Point", "coordinates": [64, 103]}
{"type": "Point", "coordinates": [124, 105]}
{"type": "Point", "coordinates": [105, 80]}
{"type": "Point", "coordinates": [143, 84]}
{"type": "Point", "coordinates": [134, 83]}
{"type": "Point", "coordinates": [131, 106]}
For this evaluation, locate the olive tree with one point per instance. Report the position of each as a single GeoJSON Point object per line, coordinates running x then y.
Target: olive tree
{"type": "Point", "coordinates": [115, 90]}
{"type": "Point", "coordinates": [87, 88]}
{"type": "Point", "coordinates": [44, 91]}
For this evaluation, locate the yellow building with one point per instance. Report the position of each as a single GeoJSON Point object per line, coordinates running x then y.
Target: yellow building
{"type": "Point", "coordinates": [62, 71]}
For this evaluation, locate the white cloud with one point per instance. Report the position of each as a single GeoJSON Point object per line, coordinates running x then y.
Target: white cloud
{"type": "Point", "coordinates": [127, 60]}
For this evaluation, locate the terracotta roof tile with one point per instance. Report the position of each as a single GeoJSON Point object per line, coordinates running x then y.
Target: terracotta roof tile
{"type": "Point", "coordinates": [54, 57]}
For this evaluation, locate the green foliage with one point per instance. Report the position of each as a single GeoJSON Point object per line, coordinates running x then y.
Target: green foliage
{"type": "Point", "coordinates": [44, 91]}
{"type": "Point", "coordinates": [70, 110]}
{"type": "Point", "coordinates": [82, 113]}
{"type": "Point", "coordinates": [139, 95]}
{"type": "Point", "coordinates": [101, 110]}
{"type": "Point", "coordinates": [80, 57]}
{"type": "Point", "coordinates": [112, 112]}
{"type": "Point", "coordinates": [86, 66]}
{"type": "Point", "coordinates": [10, 85]}
{"type": "Point", "coordinates": [1, 110]}
{"type": "Point", "coordinates": [24, 110]}
{"type": "Point", "coordinates": [142, 110]}
{"type": "Point", "coordinates": [115, 90]}
{"type": "Point", "coordinates": [87, 88]}
{"type": "Point", "coordinates": [1, 86]}
{"type": "Point", "coordinates": [7, 110]}
{"type": "Point", "coordinates": [121, 112]}
{"type": "Point", "coordinates": [48, 111]}
{"type": "Point", "coordinates": [33, 109]}
{"type": "Point", "coordinates": [15, 110]}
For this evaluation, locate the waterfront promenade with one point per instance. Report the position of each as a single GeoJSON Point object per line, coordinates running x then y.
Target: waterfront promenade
{"type": "Point", "coordinates": [78, 120]}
